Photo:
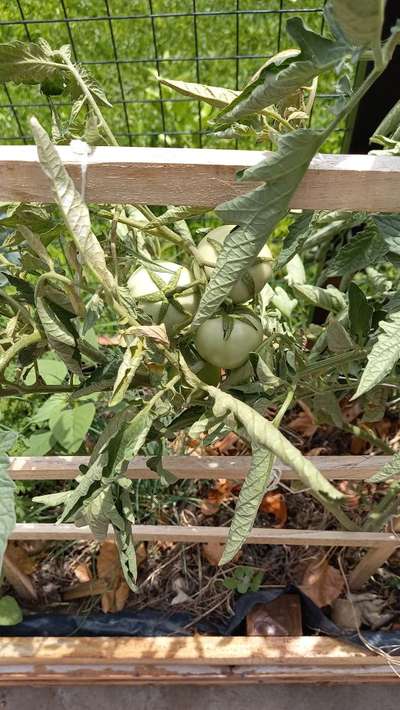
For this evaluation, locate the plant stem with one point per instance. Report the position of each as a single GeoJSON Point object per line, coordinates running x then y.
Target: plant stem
{"type": "Point", "coordinates": [24, 342]}
{"type": "Point", "coordinates": [92, 101]}
{"type": "Point", "coordinates": [18, 308]}
{"type": "Point", "coordinates": [368, 435]}
{"type": "Point", "coordinates": [385, 509]}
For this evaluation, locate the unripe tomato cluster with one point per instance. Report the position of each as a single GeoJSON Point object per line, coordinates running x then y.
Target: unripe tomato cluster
{"type": "Point", "coordinates": [165, 293]}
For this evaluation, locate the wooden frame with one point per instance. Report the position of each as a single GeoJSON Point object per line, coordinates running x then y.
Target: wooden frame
{"type": "Point", "coordinates": [380, 545]}
{"type": "Point", "coordinates": [194, 660]}
{"type": "Point", "coordinates": [206, 178]}
{"type": "Point", "coordinates": [194, 176]}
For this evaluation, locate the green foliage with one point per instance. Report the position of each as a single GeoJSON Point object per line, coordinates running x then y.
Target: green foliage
{"type": "Point", "coordinates": [244, 579]}
{"type": "Point", "coordinates": [10, 611]}
{"type": "Point", "coordinates": [66, 270]}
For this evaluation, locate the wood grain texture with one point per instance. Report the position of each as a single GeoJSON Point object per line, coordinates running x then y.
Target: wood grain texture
{"type": "Point", "coordinates": [360, 468]}
{"type": "Point", "coordinates": [193, 650]}
{"type": "Point", "coordinates": [205, 533]}
{"type": "Point", "coordinates": [195, 660]}
{"type": "Point", "coordinates": [203, 177]}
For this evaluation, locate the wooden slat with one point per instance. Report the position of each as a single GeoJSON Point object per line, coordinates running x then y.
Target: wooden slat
{"type": "Point", "coordinates": [194, 650]}
{"type": "Point", "coordinates": [108, 673]}
{"type": "Point", "coordinates": [160, 176]}
{"type": "Point", "coordinates": [195, 660]}
{"type": "Point", "coordinates": [360, 468]}
{"type": "Point", "coordinates": [204, 533]}
{"type": "Point", "coordinates": [368, 565]}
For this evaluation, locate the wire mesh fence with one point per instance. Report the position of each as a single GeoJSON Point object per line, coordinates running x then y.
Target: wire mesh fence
{"type": "Point", "coordinates": [125, 43]}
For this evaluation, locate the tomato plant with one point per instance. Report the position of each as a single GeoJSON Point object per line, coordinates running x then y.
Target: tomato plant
{"type": "Point", "coordinates": [182, 352]}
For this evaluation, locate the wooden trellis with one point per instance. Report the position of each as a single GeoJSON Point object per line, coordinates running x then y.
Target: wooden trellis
{"type": "Point", "coordinates": [200, 177]}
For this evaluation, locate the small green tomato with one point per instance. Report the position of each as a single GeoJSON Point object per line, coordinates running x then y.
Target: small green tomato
{"type": "Point", "coordinates": [227, 340]}
{"type": "Point", "coordinates": [145, 286]}
{"type": "Point", "coordinates": [255, 278]}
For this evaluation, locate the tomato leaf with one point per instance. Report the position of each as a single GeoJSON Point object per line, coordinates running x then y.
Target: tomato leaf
{"type": "Point", "coordinates": [7, 504]}
{"type": "Point", "coordinates": [257, 213]}
{"type": "Point", "coordinates": [383, 355]}
{"type": "Point", "coordinates": [330, 298]}
{"type": "Point", "coordinates": [264, 434]}
{"type": "Point", "coordinates": [364, 249]}
{"type": "Point", "coordinates": [360, 313]}
{"type": "Point", "coordinates": [250, 497]}
{"type": "Point", "coordinates": [213, 95]}
{"type": "Point", "coordinates": [72, 426]}
{"type": "Point", "coordinates": [389, 470]}
{"type": "Point", "coordinates": [62, 340]}
{"type": "Point", "coordinates": [360, 20]}
{"type": "Point", "coordinates": [285, 74]}
{"type": "Point", "coordinates": [10, 611]}
{"type": "Point", "coordinates": [74, 211]}
{"type": "Point", "coordinates": [28, 62]}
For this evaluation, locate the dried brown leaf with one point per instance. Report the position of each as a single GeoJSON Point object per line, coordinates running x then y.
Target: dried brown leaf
{"type": "Point", "coordinates": [20, 557]}
{"type": "Point", "coordinates": [304, 424]}
{"type": "Point", "coordinates": [275, 504]}
{"type": "Point", "coordinates": [322, 582]}
{"type": "Point", "coordinates": [212, 552]}
{"type": "Point", "coordinates": [82, 572]}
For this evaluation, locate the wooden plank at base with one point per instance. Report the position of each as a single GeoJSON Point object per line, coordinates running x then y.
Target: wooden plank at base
{"type": "Point", "coordinates": [143, 675]}
{"type": "Point", "coordinates": [206, 177]}
{"type": "Point", "coordinates": [205, 533]}
{"type": "Point", "coordinates": [24, 468]}
{"type": "Point", "coordinates": [111, 674]}
{"type": "Point", "coordinates": [192, 650]}
{"type": "Point", "coordinates": [192, 660]}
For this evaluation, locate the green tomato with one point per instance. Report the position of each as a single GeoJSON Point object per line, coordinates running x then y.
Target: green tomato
{"type": "Point", "coordinates": [227, 341]}
{"type": "Point", "coordinates": [143, 286]}
{"type": "Point", "coordinates": [257, 275]}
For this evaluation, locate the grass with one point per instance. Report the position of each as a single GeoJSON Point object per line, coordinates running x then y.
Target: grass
{"type": "Point", "coordinates": [152, 116]}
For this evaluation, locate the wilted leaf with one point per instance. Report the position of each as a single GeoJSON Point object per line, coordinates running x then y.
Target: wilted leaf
{"type": "Point", "coordinates": [213, 95]}
{"type": "Point", "coordinates": [338, 339]}
{"type": "Point", "coordinates": [132, 358]}
{"type": "Point", "coordinates": [250, 498]}
{"type": "Point", "coordinates": [322, 582]}
{"type": "Point", "coordinates": [74, 210]}
{"type": "Point", "coordinates": [62, 339]}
